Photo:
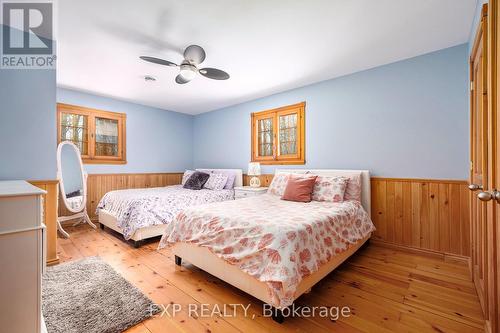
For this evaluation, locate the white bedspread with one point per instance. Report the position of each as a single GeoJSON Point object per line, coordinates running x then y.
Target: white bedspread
{"type": "Point", "coordinates": [278, 242]}
{"type": "Point", "coordinates": [139, 208]}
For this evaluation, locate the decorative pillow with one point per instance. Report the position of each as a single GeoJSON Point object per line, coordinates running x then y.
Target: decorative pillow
{"type": "Point", "coordinates": [231, 176]}
{"type": "Point", "coordinates": [186, 176]}
{"type": "Point", "coordinates": [330, 189]}
{"type": "Point", "coordinates": [216, 181]}
{"type": "Point", "coordinates": [299, 188]}
{"type": "Point", "coordinates": [278, 184]}
{"type": "Point", "coordinates": [353, 190]}
{"type": "Point", "coordinates": [196, 181]}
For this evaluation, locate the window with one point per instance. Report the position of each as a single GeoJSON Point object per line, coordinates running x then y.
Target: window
{"type": "Point", "coordinates": [100, 135]}
{"type": "Point", "coordinates": [278, 135]}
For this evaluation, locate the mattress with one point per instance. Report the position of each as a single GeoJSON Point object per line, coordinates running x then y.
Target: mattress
{"type": "Point", "coordinates": [140, 208]}
{"type": "Point", "coordinates": [276, 241]}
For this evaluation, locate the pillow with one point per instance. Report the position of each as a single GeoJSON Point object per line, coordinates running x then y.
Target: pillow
{"type": "Point", "coordinates": [278, 184]}
{"type": "Point", "coordinates": [329, 188]}
{"type": "Point", "coordinates": [353, 190]}
{"type": "Point", "coordinates": [186, 176]}
{"type": "Point", "coordinates": [231, 176]}
{"type": "Point", "coordinates": [299, 188]}
{"type": "Point", "coordinates": [216, 181]}
{"type": "Point", "coordinates": [196, 181]}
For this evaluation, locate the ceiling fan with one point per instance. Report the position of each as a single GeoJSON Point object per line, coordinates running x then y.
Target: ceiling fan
{"type": "Point", "coordinates": [193, 56]}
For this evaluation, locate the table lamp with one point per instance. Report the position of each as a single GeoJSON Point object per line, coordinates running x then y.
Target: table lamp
{"type": "Point", "coordinates": [254, 170]}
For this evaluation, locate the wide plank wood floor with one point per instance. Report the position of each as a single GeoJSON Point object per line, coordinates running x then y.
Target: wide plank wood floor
{"type": "Point", "coordinates": [387, 290]}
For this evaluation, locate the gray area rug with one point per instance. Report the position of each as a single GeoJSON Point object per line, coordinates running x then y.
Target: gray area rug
{"type": "Point", "coordinates": [88, 296]}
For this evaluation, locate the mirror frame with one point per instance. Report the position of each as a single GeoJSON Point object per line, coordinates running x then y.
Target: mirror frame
{"type": "Point", "coordinates": [61, 181]}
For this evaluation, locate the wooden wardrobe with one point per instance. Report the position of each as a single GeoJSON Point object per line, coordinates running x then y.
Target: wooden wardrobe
{"type": "Point", "coordinates": [484, 168]}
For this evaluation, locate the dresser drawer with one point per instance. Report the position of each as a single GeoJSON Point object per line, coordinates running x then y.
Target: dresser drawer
{"type": "Point", "coordinates": [20, 212]}
{"type": "Point", "coordinates": [243, 194]}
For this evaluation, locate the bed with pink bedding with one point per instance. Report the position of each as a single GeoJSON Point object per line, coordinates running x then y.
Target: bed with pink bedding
{"type": "Point", "coordinates": [275, 241]}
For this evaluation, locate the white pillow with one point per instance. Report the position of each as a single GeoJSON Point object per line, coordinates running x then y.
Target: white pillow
{"type": "Point", "coordinates": [330, 189]}
{"type": "Point", "coordinates": [216, 182]}
{"type": "Point", "coordinates": [186, 176]}
{"type": "Point", "coordinates": [278, 184]}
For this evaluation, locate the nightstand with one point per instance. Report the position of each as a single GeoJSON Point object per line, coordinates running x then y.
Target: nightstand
{"type": "Point", "coordinates": [248, 191]}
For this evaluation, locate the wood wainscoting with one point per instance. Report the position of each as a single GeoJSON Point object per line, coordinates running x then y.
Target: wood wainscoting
{"type": "Point", "coordinates": [100, 184]}
{"type": "Point", "coordinates": [50, 216]}
{"type": "Point", "coordinates": [421, 214]}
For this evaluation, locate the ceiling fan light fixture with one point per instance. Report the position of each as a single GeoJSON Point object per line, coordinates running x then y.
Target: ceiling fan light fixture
{"type": "Point", "coordinates": [193, 56]}
{"type": "Point", "coordinates": [188, 72]}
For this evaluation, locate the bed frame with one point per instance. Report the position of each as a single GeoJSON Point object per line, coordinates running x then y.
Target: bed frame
{"type": "Point", "coordinates": [107, 219]}
{"type": "Point", "coordinates": [202, 257]}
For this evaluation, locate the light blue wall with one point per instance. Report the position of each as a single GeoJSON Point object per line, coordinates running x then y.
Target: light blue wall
{"type": "Point", "coordinates": [27, 124]}
{"type": "Point", "coordinates": [406, 119]}
{"type": "Point", "coordinates": [157, 140]}
{"type": "Point", "coordinates": [411, 119]}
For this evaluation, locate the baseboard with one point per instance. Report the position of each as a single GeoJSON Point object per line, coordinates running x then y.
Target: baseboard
{"type": "Point", "coordinates": [53, 262]}
{"type": "Point", "coordinates": [449, 257]}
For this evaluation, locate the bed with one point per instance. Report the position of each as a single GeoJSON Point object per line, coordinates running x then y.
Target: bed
{"type": "Point", "coordinates": [144, 213]}
{"type": "Point", "coordinates": [272, 249]}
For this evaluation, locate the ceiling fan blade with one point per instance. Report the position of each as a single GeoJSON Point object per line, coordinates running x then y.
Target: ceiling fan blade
{"type": "Point", "coordinates": [214, 73]}
{"type": "Point", "coordinates": [181, 80]}
{"type": "Point", "coordinates": [194, 54]}
{"type": "Point", "coordinates": [158, 61]}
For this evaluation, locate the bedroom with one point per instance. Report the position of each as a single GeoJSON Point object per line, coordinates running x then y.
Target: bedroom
{"type": "Point", "coordinates": [237, 166]}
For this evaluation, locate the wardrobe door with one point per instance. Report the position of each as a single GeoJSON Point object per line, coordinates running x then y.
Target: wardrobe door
{"type": "Point", "coordinates": [485, 166]}
{"type": "Point", "coordinates": [479, 159]}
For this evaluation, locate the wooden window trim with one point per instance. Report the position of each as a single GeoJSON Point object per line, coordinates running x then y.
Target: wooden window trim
{"type": "Point", "coordinates": [277, 159]}
{"type": "Point", "coordinates": [92, 114]}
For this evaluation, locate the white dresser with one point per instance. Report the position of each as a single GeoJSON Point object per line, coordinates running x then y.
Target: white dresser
{"type": "Point", "coordinates": [22, 257]}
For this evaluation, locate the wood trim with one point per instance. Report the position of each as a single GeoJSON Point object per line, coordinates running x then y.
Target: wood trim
{"type": "Point", "coordinates": [50, 209]}
{"type": "Point", "coordinates": [298, 108]}
{"type": "Point", "coordinates": [92, 114]}
{"type": "Point", "coordinates": [427, 180]}
{"type": "Point", "coordinates": [448, 257]}
{"type": "Point", "coordinates": [491, 243]}
{"type": "Point", "coordinates": [427, 214]}
{"type": "Point", "coordinates": [100, 184]}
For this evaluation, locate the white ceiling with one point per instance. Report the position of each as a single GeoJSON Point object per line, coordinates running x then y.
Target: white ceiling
{"type": "Point", "coordinates": [266, 46]}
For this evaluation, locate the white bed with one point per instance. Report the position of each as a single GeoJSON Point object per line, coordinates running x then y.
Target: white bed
{"type": "Point", "coordinates": [110, 219]}
{"type": "Point", "coordinates": [197, 251]}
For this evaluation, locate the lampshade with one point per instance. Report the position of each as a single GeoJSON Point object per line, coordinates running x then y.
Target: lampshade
{"type": "Point", "coordinates": [254, 169]}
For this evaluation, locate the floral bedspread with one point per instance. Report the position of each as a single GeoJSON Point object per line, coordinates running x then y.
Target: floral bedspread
{"type": "Point", "coordinates": [278, 242]}
{"type": "Point", "coordinates": [139, 208]}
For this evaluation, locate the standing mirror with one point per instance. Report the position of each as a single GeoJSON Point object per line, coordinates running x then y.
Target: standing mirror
{"type": "Point", "coordinates": [72, 184]}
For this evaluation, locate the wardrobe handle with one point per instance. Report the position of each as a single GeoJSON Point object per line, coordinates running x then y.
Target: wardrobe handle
{"type": "Point", "coordinates": [487, 196]}
{"type": "Point", "coordinates": [475, 187]}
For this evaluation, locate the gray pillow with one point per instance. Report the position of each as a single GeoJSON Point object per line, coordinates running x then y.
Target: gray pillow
{"type": "Point", "coordinates": [196, 181]}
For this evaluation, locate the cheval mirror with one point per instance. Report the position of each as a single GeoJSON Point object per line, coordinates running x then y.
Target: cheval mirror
{"type": "Point", "coordinates": [72, 184]}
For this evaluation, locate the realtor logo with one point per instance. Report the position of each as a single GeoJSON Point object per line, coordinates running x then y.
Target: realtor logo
{"type": "Point", "coordinates": [27, 35]}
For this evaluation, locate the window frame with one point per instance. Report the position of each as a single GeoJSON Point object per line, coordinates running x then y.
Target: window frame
{"type": "Point", "coordinates": [92, 114]}
{"type": "Point", "coordinates": [277, 158]}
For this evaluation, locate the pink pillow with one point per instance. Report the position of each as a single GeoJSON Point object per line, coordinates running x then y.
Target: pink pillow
{"type": "Point", "coordinates": [353, 189]}
{"type": "Point", "coordinates": [329, 189]}
{"type": "Point", "coordinates": [299, 188]}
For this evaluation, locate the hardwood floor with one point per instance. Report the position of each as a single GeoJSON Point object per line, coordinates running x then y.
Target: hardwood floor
{"type": "Point", "coordinates": [387, 290]}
